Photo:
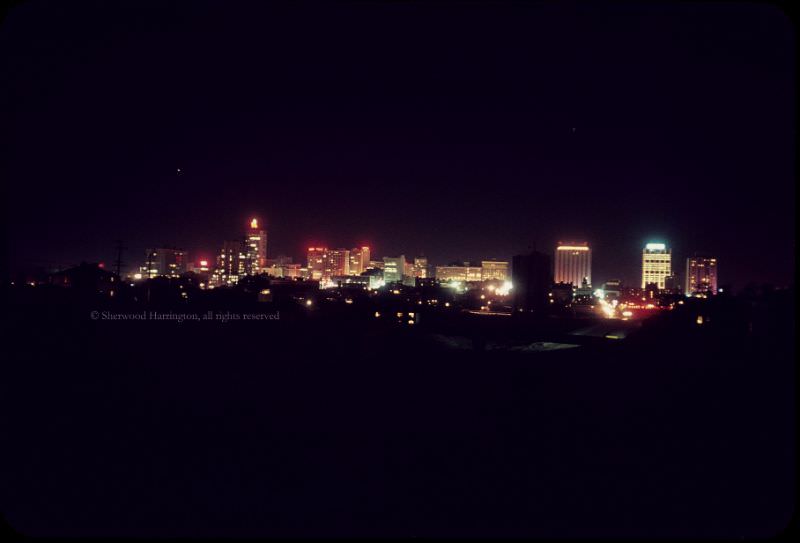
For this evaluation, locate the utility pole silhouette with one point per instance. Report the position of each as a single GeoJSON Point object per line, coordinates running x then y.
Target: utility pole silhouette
{"type": "Point", "coordinates": [119, 262]}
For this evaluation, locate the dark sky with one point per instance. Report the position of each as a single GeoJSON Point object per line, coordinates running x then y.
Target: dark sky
{"type": "Point", "coordinates": [460, 131]}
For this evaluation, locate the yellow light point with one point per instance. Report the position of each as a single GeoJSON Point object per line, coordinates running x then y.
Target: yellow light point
{"type": "Point", "coordinates": [254, 223]}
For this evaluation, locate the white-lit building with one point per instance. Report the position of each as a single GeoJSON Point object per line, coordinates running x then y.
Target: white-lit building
{"type": "Point", "coordinates": [494, 270]}
{"type": "Point", "coordinates": [465, 273]}
{"type": "Point", "coordinates": [393, 268]}
{"type": "Point", "coordinates": [573, 263]}
{"type": "Point", "coordinates": [656, 264]}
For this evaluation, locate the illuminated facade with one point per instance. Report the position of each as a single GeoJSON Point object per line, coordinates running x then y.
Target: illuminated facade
{"type": "Point", "coordinates": [230, 263]}
{"type": "Point", "coordinates": [393, 269]}
{"type": "Point", "coordinates": [464, 273]}
{"type": "Point", "coordinates": [316, 262]}
{"type": "Point", "coordinates": [421, 267]}
{"type": "Point", "coordinates": [336, 263]}
{"type": "Point", "coordinates": [451, 273]}
{"type": "Point", "coordinates": [494, 270]}
{"type": "Point", "coordinates": [573, 263]}
{"type": "Point", "coordinates": [359, 260]}
{"type": "Point", "coordinates": [255, 249]}
{"type": "Point", "coordinates": [164, 262]}
{"type": "Point", "coordinates": [656, 264]}
{"type": "Point", "coordinates": [701, 275]}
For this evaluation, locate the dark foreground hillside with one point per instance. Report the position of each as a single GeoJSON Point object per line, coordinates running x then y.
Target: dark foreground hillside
{"type": "Point", "coordinates": [341, 427]}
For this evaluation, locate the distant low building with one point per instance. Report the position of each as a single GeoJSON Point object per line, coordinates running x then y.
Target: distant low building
{"type": "Point", "coordinates": [465, 273]}
{"type": "Point", "coordinates": [494, 270]}
{"type": "Point", "coordinates": [86, 278]}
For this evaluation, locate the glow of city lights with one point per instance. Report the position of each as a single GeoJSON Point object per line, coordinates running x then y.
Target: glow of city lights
{"type": "Point", "coordinates": [204, 263]}
{"type": "Point", "coordinates": [599, 293]}
{"type": "Point", "coordinates": [504, 289]}
{"type": "Point", "coordinates": [254, 223]}
{"type": "Point", "coordinates": [137, 276]}
{"type": "Point", "coordinates": [627, 313]}
{"type": "Point", "coordinates": [308, 302]}
{"type": "Point", "coordinates": [655, 246]}
{"type": "Point", "coordinates": [377, 314]}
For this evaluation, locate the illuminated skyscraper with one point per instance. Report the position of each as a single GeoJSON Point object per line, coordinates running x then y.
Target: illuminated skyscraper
{"type": "Point", "coordinates": [393, 268]}
{"type": "Point", "coordinates": [255, 249]}
{"type": "Point", "coordinates": [359, 260]}
{"type": "Point", "coordinates": [316, 262]}
{"type": "Point", "coordinates": [230, 263]}
{"type": "Point", "coordinates": [701, 275]}
{"type": "Point", "coordinates": [337, 263]}
{"type": "Point", "coordinates": [494, 270]}
{"type": "Point", "coordinates": [573, 263]}
{"type": "Point", "coordinates": [656, 264]}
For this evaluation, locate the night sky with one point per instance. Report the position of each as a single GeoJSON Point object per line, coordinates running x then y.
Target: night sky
{"type": "Point", "coordinates": [458, 131]}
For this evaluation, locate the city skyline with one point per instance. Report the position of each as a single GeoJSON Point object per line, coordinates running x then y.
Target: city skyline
{"type": "Point", "coordinates": [247, 255]}
{"type": "Point", "coordinates": [571, 264]}
{"type": "Point", "coordinates": [482, 147]}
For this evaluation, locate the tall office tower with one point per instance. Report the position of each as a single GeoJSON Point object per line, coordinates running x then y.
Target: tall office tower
{"type": "Point", "coordinates": [337, 263]}
{"type": "Point", "coordinates": [375, 264]}
{"type": "Point", "coordinates": [494, 270]}
{"type": "Point", "coordinates": [532, 278]}
{"type": "Point", "coordinates": [421, 267]}
{"type": "Point", "coordinates": [656, 264]}
{"type": "Point", "coordinates": [573, 263]}
{"type": "Point", "coordinates": [359, 260]}
{"type": "Point", "coordinates": [393, 268]}
{"type": "Point", "coordinates": [316, 262]}
{"type": "Point", "coordinates": [255, 249]}
{"type": "Point", "coordinates": [164, 262]}
{"type": "Point", "coordinates": [231, 262]}
{"type": "Point", "coordinates": [701, 275]}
